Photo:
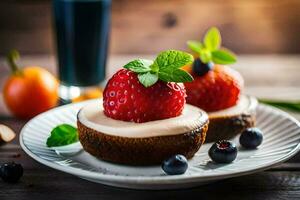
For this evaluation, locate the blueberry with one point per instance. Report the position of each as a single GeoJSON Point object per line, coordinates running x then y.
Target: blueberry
{"type": "Point", "coordinates": [201, 68]}
{"type": "Point", "coordinates": [223, 152]}
{"type": "Point", "coordinates": [176, 164]}
{"type": "Point", "coordinates": [251, 138]}
{"type": "Point", "coordinates": [11, 172]}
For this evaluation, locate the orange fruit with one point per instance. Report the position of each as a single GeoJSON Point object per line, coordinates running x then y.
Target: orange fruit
{"type": "Point", "coordinates": [29, 91]}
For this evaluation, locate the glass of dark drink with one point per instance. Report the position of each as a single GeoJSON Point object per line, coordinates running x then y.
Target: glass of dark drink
{"type": "Point", "coordinates": [82, 30]}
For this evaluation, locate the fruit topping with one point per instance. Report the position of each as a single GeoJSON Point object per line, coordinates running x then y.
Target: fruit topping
{"type": "Point", "coordinates": [11, 172]}
{"type": "Point", "coordinates": [223, 151]}
{"type": "Point", "coordinates": [146, 90]}
{"type": "Point", "coordinates": [210, 51]}
{"type": "Point", "coordinates": [251, 138]}
{"type": "Point", "coordinates": [201, 68]}
{"type": "Point", "coordinates": [175, 165]}
{"type": "Point", "coordinates": [215, 87]}
{"type": "Point", "coordinates": [216, 90]}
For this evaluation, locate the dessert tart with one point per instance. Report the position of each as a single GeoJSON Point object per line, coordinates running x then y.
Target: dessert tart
{"type": "Point", "coordinates": [227, 123]}
{"type": "Point", "coordinates": [143, 117]}
{"type": "Point", "coordinates": [217, 89]}
{"type": "Point", "coordinates": [141, 143]}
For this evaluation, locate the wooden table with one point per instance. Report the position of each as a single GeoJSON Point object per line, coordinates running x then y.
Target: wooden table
{"type": "Point", "coordinates": [267, 76]}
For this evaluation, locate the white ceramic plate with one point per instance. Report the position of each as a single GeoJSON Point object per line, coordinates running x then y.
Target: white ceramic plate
{"type": "Point", "coordinates": [281, 142]}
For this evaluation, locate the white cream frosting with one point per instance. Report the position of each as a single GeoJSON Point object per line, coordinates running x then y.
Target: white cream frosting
{"type": "Point", "coordinates": [93, 117]}
{"type": "Point", "coordinates": [244, 104]}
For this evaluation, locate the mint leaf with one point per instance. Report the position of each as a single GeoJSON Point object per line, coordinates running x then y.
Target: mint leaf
{"type": "Point", "coordinates": [195, 46]}
{"type": "Point", "coordinates": [223, 56]}
{"type": "Point", "coordinates": [154, 68]}
{"type": "Point", "coordinates": [173, 59]}
{"type": "Point", "coordinates": [210, 50]}
{"type": "Point", "coordinates": [165, 67]}
{"type": "Point", "coordinates": [205, 56]}
{"type": "Point", "coordinates": [212, 39]}
{"type": "Point", "coordinates": [148, 79]}
{"type": "Point", "coordinates": [174, 75]}
{"type": "Point", "coordinates": [61, 135]}
{"type": "Point", "coordinates": [139, 65]}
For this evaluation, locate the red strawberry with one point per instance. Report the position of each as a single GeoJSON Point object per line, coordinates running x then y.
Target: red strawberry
{"type": "Point", "coordinates": [218, 89]}
{"type": "Point", "coordinates": [126, 99]}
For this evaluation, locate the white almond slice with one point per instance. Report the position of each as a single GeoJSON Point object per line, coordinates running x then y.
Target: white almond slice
{"type": "Point", "coordinates": [6, 133]}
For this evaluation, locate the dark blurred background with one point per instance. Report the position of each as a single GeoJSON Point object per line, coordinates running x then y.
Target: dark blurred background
{"type": "Point", "coordinates": [148, 26]}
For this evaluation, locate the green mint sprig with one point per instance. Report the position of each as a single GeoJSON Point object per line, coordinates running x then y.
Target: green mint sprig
{"type": "Point", "coordinates": [61, 135]}
{"type": "Point", "coordinates": [165, 67]}
{"type": "Point", "coordinates": [210, 49]}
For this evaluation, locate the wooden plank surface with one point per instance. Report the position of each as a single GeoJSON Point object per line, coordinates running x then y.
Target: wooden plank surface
{"type": "Point", "coordinates": [149, 26]}
{"type": "Point", "coordinates": [49, 185]}
{"type": "Point", "coordinates": [273, 76]}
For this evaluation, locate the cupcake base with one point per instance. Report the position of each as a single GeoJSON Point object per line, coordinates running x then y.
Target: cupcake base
{"type": "Point", "coordinates": [140, 151]}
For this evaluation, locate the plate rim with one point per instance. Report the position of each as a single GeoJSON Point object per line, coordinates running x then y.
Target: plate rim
{"type": "Point", "coordinates": [155, 179]}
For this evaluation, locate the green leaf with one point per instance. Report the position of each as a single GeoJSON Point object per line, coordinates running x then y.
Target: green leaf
{"type": "Point", "coordinates": [289, 105]}
{"type": "Point", "coordinates": [174, 75]}
{"type": "Point", "coordinates": [173, 59]}
{"type": "Point", "coordinates": [154, 68]}
{"type": "Point", "coordinates": [166, 66]}
{"type": "Point", "coordinates": [205, 56]}
{"type": "Point", "coordinates": [195, 46]}
{"type": "Point", "coordinates": [212, 39]}
{"type": "Point", "coordinates": [223, 56]}
{"type": "Point", "coordinates": [61, 135]}
{"type": "Point", "coordinates": [148, 79]}
{"type": "Point", "coordinates": [139, 65]}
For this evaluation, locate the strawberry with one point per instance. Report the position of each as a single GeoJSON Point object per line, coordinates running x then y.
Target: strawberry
{"type": "Point", "coordinates": [216, 90]}
{"type": "Point", "coordinates": [215, 87]}
{"type": "Point", "coordinates": [146, 90]}
{"type": "Point", "coordinates": [125, 98]}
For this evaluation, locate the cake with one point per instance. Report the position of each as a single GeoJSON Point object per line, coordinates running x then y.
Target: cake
{"type": "Point", "coordinates": [143, 118]}
{"type": "Point", "coordinates": [141, 143]}
{"type": "Point", "coordinates": [218, 89]}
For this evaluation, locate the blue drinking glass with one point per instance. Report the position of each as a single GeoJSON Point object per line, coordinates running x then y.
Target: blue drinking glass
{"type": "Point", "coordinates": [82, 30]}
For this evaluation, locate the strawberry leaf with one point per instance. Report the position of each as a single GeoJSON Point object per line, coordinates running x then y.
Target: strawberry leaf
{"type": "Point", "coordinates": [212, 39]}
{"type": "Point", "coordinates": [223, 56]}
{"type": "Point", "coordinates": [173, 59]}
{"type": "Point", "coordinates": [195, 46]}
{"type": "Point", "coordinates": [139, 65]}
{"type": "Point", "coordinates": [148, 79]}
